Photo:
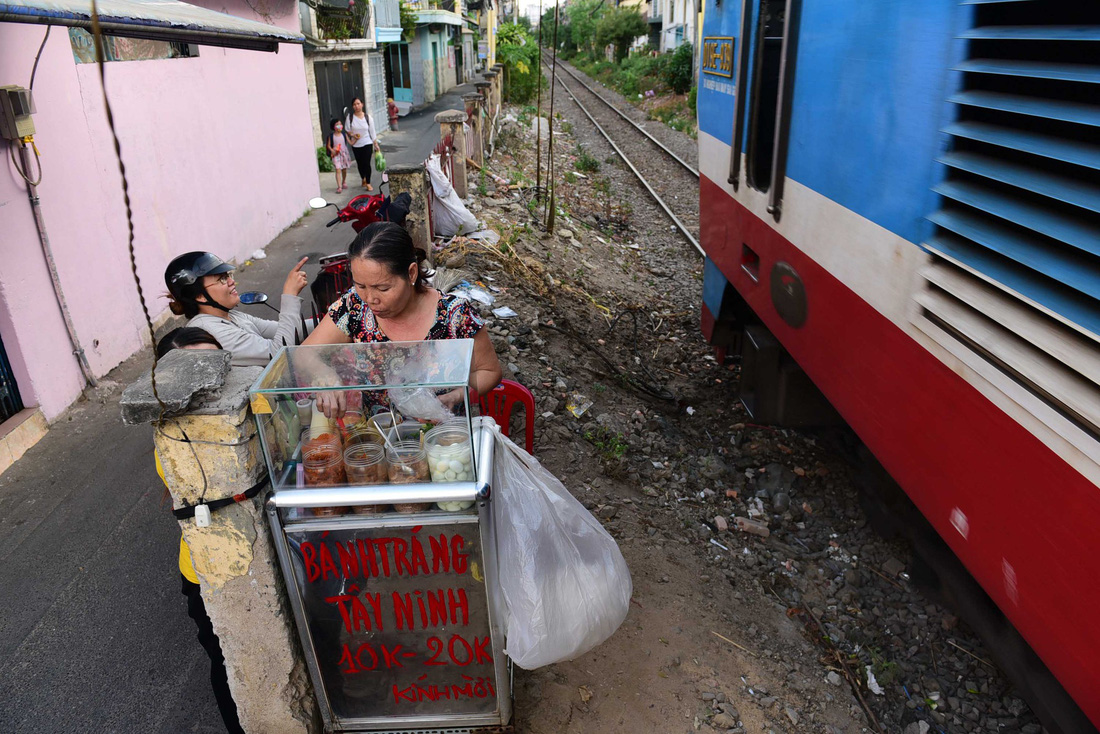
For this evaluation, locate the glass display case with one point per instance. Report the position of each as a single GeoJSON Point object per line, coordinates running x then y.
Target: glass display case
{"type": "Point", "coordinates": [382, 519]}
{"type": "Point", "coordinates": [366, 415]}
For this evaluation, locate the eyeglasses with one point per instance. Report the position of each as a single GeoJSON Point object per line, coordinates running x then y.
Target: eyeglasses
{"type": "Point", "coordinates": [222, 279]}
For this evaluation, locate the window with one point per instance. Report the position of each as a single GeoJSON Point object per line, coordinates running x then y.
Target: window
{"type": "Point", "coordinates": [764, 92]}
{"type": "Point", "coordinates": [117, 48]}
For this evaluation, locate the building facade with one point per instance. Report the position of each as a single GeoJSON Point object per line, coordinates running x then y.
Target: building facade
{"type": "Point", "coordinates": [216, 144]}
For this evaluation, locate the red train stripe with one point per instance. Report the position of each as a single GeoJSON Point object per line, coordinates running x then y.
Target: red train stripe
{"type": "Point", "coordinates": [947, 445]}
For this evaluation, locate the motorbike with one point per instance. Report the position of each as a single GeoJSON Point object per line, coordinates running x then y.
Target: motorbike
{"type": "Point", "coordinates": [335, 277]}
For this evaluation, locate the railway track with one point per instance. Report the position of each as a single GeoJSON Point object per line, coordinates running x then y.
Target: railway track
{"type": "Point", "coordinates": [666, 176]}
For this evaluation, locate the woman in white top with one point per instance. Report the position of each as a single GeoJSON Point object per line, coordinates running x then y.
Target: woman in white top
{"type": "Point", "coordinates": [202, 288]}
{"type": "Point", "coordinates": [359, 129]}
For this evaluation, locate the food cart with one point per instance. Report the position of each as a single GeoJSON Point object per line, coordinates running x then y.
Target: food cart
{"type": "Point", "coordinates": [389, 562]}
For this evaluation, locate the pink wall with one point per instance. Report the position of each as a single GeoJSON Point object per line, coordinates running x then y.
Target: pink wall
{"type": "Point", "coordinates": [219, 156]}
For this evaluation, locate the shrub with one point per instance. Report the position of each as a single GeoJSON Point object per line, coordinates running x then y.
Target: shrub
{"type": "Point", "coordinates": [692, 96]}
{"type": "Point", "coordinates": [519, 52]}
{"type": "Point", "coordinates": [324, 163]}
{"type": "Point", "coordinates": [586, 162]}
{"type": "Point", "coordinates": [678, 74]}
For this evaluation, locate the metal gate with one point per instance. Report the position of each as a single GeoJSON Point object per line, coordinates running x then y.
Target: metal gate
{"type": "Point", "coordinates": [377, 78]}
{"type": "Point", "coordinates": [10, 402]}
{"type": "Point", "coordinates": [338, 83]}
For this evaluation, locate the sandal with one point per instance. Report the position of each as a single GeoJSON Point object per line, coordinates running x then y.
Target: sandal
{"type": "Point", "coordinates": [370, 188]}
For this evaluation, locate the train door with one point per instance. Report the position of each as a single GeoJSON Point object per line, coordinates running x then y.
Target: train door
{"type": "Point", "coordinates": [763, 82]}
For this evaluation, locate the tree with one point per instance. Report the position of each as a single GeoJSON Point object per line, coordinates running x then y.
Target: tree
{"type": "Point", "coordinates": [620, 27]}
{"type": "Point", "coordinates": [408, 21]}
{"type": "Point", "coordinates": [584, 15]}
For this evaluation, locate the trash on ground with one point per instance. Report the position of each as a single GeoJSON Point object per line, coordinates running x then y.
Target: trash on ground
{"type": "Point", "coordinates": [259, 255]}
{"type": "Point", "coordinates": [504, 312]}
{"type": "Point", "coordinates": [472, 292]}
{"type": "Point", "coordinates": [751, 527]}
{"type": "Point", "coordinates": [872, 684]}
{"type": "Point", "coordinates": [578, 404]}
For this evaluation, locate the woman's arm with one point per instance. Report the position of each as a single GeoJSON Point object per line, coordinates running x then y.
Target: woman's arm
{"type": "Point", "coordinates": [485, 372]}
{"type": "Point", "coordinates": [332, 403]}
{"type": "Point", "coordinates": [327, 332]}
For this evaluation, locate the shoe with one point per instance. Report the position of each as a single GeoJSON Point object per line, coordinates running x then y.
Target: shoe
{"type": "Point", "coordinates": [370, 188]}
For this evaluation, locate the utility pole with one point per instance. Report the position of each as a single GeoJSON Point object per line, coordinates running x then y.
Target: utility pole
{"type": "Point", "coordinates": [538, 116]}
{"type": "Point", "coordinates": [550, 162]}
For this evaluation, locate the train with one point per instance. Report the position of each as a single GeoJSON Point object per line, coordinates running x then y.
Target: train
{"type": "Point", "coordinates": [900, 211]}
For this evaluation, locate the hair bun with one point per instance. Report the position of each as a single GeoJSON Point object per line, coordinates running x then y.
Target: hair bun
{"type": "Point", "coordinates": [176, 308]}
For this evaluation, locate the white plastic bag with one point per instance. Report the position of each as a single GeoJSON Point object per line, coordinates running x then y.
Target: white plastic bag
{"type": "Point", "coordinates": [565, 583]}
{"type": "Point", "coordinates": [449, 215]}
{"type": "Point", "coordinates": [419, 402]}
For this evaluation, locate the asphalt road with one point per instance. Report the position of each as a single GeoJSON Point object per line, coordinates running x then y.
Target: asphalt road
{"type": "Point", "coordinates": [94, 633]}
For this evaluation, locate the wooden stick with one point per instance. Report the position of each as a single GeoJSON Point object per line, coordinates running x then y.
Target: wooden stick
{"type": "Point", "coordinates": [895, 583]}
{"type": "Point", "coordinates": [739, 647]}
{"type": "Point", "coordinates": [980, 660]}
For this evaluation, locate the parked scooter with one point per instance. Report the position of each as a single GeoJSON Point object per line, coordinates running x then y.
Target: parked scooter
{"type": "Point", "coordinates": [335, 278]}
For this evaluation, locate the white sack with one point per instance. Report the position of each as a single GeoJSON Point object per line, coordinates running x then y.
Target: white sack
{"type": "Point", "coordinates": [565, 583]}
{"type": "Point", "coordinates": [449, 215]}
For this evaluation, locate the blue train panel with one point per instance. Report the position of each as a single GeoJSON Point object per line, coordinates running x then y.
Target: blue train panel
{"type": "Point", "coordinates": [869, 100]}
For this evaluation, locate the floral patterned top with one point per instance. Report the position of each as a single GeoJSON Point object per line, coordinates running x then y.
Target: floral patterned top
{"type": "Point", "coordinates": [455, 318]}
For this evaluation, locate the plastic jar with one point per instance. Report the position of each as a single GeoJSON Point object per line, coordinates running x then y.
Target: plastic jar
{"type": "Point", "coordinates": [408, 464]}
{"type": "Point", "coordinates": [324, 467]}
{"type": "Point", "coordinates": [365, 463]}
{"type": "Point", "coordinates": [450, 458]}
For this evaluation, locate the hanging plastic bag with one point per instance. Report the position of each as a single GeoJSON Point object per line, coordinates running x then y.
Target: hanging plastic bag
{"type": "Point", "coordinates": [379, 161]}
{"type": "Point", "coordinates": [449, 215]}
{"type": "Point", "coordinates": [565, 584]}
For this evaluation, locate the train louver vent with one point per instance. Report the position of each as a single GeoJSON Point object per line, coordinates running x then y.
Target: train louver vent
{"type": "Point", "coordinates": [1015, 273]}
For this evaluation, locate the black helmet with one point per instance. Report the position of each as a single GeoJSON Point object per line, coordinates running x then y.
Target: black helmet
{"type": "Point", "coordinates": [184, 275]}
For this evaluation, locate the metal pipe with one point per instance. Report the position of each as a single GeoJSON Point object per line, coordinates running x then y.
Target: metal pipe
{"type": "Point", "coordinates": [740, 92]}
{"type": "Point", "coordinates": [44, 239]}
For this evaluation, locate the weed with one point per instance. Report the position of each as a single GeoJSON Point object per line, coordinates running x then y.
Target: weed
{"type": "Point", "coordinates": [570, 178]}
{"type": "Point", "coordinates": [610, 444]}
{"type": "Point", "coordinates": [482, 188]}
{"type": "Point", "coordinates": [599, 387]}
{"type": "Point", "coordinates": [585, 162]}
{"type": "Point", "coordinates": [567, 127]}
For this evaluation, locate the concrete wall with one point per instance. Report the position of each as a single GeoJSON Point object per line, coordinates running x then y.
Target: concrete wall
{"type": "Point", "coordinates": [219, 156]}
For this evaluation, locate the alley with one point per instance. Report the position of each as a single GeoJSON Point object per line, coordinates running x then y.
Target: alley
{"type": "Point", "coordinates": [94, 633]}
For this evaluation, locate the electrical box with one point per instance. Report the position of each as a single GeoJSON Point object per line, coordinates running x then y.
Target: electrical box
{"type": "Point", "coordinates": [16, 108]}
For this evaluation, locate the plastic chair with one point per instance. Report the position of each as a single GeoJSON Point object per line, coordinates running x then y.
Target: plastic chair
{"type": "Point", "coordinates": [499, 402]}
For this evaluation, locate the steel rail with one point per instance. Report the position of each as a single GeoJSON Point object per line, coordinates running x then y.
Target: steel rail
{"type": "Point", "coordinates": [638, 127]}
{"type": "Point", "coordinates": [657, 197]}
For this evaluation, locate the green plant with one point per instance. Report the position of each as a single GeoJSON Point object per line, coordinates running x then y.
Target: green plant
{"type": "Point", "coordinates": [678, 74]}
{"type": "Point", "coordinates": [567, 127]}
{"type": "Point", "coordinates": [692, 98]}
{"type": "Point", "coordinates": [519, 53]}
{"type": "Point", "coordinates": [408, 21]}
{"type": "Point", "coordinates": [611, 445]}
{"type": "Point", "coordinates": [620, 26]}
{"type": "Point", "coordinates": [570, 177]}
{"type": "Point", "coordinates": [482, 188]}
{"type": "Point", "coordinates": [584, 16]}
{"type": "Point", "coordinates": [324, 163]}
{"type": "Point", "coordinates": [585, 162]}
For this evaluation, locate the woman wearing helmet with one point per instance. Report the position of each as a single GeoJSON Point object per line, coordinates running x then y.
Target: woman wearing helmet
{"type": "Point", "coordinates": [202, 288]}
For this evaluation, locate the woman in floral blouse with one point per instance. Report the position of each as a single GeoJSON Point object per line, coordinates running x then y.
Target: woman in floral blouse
{"type": "Point", "coordinates": [390, 300]}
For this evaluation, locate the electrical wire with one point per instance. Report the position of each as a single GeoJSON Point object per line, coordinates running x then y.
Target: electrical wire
{"type": "Point", "coordinates": [19, 168]}
{"type": "Point", "coordinates": [97, 33]}
{"type": "Point", "coordinates": [38, 56]}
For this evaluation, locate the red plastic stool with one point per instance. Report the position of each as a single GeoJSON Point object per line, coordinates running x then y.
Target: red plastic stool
{"type": "Point", "coordinates": [499, 402]}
